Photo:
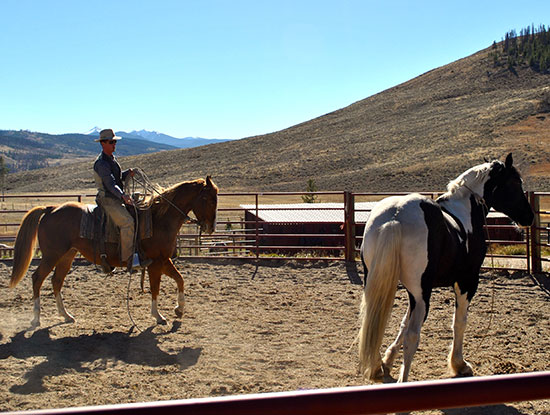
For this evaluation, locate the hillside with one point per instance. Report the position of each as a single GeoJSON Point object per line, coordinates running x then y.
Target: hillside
{"type": "Point", "coordinates": [24, 150]}
{"type": "Point", "coordinates": [414, 136]}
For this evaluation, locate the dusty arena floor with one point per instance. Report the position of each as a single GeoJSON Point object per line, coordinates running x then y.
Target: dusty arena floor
{"type": "Point", "coordinates": [247, 328]}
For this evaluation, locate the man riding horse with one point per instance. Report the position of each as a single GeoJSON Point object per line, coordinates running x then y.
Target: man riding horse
{"type": "Point", "coordinates": [110, 179]}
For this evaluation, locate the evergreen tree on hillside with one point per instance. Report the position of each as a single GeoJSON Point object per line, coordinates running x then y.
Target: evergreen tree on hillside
{"type": "Point", "coordinates": [531, 48]}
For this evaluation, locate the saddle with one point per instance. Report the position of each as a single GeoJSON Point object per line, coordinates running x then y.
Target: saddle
{"type": "Point", "coordinates": [96, 226]}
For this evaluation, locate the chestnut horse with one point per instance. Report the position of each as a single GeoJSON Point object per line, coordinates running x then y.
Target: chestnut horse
{"type": "Point", "coordinates": [58, 228]}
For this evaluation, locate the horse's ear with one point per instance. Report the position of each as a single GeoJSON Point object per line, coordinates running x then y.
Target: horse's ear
{"type": "Point", "coordinates": [509, 161]}
{"type": "Point", "coordinates": [209, 180]}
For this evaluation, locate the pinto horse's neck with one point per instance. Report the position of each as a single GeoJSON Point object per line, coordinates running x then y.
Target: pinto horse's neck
{"type": "Point", "coordinates": [464, 197]}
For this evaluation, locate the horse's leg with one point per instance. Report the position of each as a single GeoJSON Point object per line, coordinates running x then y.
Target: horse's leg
{"type": "Point", "coordinates": [38, 276]}
{"type": "Point", "coordinates": [172, 272]}
{"type": "Point", "coordinates": [142, 280]}
{"type": "Point", "coordinates": [62, 268]}
{"type": "Point", "coordinates": [418, 313]}
{"type": "Point", "coordinates": [393, 349]}
{"type": "Point", "coordinates": [155, 272]}
{"type": "Point", "coordinates": [457, 364]}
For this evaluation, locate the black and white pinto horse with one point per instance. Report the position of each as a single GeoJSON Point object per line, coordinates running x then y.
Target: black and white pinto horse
{"type": "Point", "coordinates": [426, 244]}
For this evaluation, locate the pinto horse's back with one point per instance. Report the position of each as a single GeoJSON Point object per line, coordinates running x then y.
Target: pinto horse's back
{"type": "Point", "coordinates": [407, 211]}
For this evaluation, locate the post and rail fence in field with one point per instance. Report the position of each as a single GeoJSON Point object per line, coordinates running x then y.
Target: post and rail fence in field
{"type": "Point", "coordinates": [274, 225]}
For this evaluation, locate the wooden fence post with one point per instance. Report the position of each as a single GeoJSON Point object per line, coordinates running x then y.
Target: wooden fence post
{"type": "Point", "coordinates": [349, 227]}
{"type": "Point", "coordinates": [536, 263]}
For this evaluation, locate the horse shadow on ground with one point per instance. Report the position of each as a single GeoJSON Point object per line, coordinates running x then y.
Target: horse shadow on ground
{"type": "Point", "coordinates": [353, 273]}
{"type": "Point", "coordinates": [71, 353]}
{"type": "Point", "coordinates": [484, 410]}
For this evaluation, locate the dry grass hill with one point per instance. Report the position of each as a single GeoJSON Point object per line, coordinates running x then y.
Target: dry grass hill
{"type": "Point", "coordinates": [414, 136]}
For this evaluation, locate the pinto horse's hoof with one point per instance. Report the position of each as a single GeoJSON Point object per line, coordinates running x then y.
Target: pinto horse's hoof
{"type": "Point", "coordinates": [179, 312]}
{"type": "Point", "coordinates": [463, 371]}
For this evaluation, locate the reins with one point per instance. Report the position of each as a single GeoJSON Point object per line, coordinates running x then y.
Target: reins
{"type": "Point", "coordinates": [147, 183]}
{"type": "Point", "coordinates": [484, 206]}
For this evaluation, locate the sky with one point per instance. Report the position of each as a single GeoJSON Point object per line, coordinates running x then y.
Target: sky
{"type": "Point", "coordinates": [226, 69]}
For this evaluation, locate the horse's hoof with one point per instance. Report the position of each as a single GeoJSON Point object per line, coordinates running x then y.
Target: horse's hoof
{"type": "Point", "coordinates": [179, 312]}
{"type": "Point", "coordinates": [35, 324]}
{"type": "Point", "coordinates": [161, 320]}
{"type": "Point", "coordinates": [378, 374]}
{"type": "Point", "coordinates": [465, 370]}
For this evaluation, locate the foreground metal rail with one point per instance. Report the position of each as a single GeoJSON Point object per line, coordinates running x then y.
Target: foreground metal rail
{"type": "Point", "coordinates": [388, 398]}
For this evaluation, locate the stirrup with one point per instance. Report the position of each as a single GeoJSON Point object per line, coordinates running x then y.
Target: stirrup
{"type": "Point", "coordinates": [133, 263]}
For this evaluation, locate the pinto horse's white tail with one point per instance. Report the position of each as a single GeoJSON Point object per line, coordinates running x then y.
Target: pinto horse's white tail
{"type": "Point", "coordinates": [378, 297]}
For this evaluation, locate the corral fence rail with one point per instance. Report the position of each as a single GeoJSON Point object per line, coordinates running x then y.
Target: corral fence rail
{"type": "Point", "coordinates": [357, 400]}
{"type": "Point", "coordinates": [281, 225]}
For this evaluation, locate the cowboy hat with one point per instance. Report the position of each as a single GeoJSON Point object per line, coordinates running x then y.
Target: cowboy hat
{"type": "Point", "coordinates": [107, 134]}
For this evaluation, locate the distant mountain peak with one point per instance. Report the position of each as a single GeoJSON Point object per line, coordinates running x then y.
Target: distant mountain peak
{"type": "Point", "coordinates": [176, 142]}
{"type": "Point", "coordinates": [93, 131]}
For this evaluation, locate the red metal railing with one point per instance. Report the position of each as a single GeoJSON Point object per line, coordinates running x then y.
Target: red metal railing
{"type": "Point", "coordinates": [378, 399]}
{"type": "Point", "coordinates": [538, 229]}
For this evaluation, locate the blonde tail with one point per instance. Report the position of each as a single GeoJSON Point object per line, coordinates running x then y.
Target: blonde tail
{"type": "Point", "coordinates": [25, 242]}
{"type": "Point", "coordinates": [378, 298]}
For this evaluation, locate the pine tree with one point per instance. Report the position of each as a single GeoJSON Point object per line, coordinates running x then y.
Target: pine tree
{"type": "Point", "coordinates": [311, 187]}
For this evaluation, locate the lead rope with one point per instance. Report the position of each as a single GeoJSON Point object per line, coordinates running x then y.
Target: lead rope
{"type": "Point", "coordinates": [135, 246]}
{"type": "Point", "coordinates": [145, 182]}
{"type": "Point", "coordinates": [492, 278]}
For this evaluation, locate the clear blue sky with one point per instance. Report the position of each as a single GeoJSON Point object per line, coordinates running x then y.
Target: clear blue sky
{"type": "Point", "coordinates": [226, 69]}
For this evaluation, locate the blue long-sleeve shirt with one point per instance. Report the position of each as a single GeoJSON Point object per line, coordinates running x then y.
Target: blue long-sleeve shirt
{"type": "Point", "coordinates": [109, 176]}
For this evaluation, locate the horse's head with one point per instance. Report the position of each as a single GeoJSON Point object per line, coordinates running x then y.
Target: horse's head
{"type": "Point", "coordinates": [205, 206]}
{"type": "Point", "coordinates": [503, 191]}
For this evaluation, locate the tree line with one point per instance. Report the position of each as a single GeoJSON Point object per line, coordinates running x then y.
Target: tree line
{"type": "Point", "coordinates": [531, 47]}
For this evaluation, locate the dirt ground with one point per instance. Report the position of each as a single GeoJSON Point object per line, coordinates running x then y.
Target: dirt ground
{"type": "Point", "coordinates": [247, 328]}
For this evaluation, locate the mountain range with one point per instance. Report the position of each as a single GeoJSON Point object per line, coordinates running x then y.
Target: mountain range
{"type": "Point", "coordinates": [161, 138]}
{"type": "Point", "coordinates": [27, 150]}
{"type": "Point", "coordinates": [416, 136]}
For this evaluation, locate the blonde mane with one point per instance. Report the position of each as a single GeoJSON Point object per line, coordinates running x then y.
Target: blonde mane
{"type": "Point", "coordinates": [468, 180]}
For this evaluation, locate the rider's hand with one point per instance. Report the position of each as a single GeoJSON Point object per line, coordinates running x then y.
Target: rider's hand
{"type": "Point", "coordinates": [127, 199]}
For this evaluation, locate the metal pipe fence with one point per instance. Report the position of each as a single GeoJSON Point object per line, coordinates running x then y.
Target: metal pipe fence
{"type": "Point", "coordinates": [279, 225]}
{"type": "Point", "coordinates": [358, 400]}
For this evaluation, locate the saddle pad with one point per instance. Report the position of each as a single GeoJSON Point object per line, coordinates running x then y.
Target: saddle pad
{"type": "Point", "coordinates": [91, 226]}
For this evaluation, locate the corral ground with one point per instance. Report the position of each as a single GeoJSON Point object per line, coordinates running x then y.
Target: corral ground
{"type": "Point", "coordinates": [247, 328]}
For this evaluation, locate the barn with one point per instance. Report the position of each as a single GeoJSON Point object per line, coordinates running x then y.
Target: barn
{"type": "Point", "coordinates": [311, 225]}
{"type": "Point", "coordinates": [301, 225]}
